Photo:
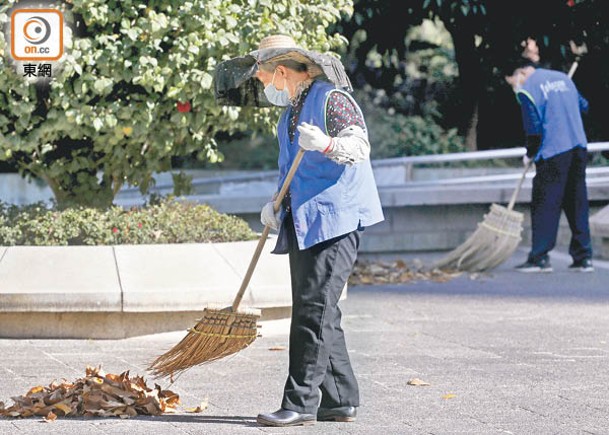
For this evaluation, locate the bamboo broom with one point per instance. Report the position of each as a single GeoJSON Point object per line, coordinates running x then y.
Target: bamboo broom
{"type": "Point", "coordinates": [221, 331]}
{"type": "Point", "coordinates": [493, 242]}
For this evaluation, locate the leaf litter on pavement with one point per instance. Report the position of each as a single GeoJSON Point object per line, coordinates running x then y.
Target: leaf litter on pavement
{"type": "Point", "coordinates": [396, 272]}
{"type": "Point", "coordinates": [416, 382]}
{"type": "Point", "coordinates": [97, 394]}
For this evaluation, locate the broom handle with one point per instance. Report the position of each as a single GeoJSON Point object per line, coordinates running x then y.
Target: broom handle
{"type": "Point", "coordinates": [574, 66]}
{"type": "Point", "coordinates": [517, 191]}
{"type": "Point", "coordinates": [267, 229]}
{"type": "Point", "coordinates": [526, 169]}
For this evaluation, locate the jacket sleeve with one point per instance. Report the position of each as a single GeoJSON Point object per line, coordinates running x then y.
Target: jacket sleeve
{"type": "Point", "coordinates": [531, 120]}
{"type": "Point", "coordinates": [350, 146]}
{"type": "Point", "coordinates": [531, 123]}
{"type": "Point", "coordinates": [346, 126]}
{"type": "Point", "coordinates": [583, 104]}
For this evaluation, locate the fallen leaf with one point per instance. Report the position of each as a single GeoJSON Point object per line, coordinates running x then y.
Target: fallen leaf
{"type": "Point", "coordinates": [35, 390]}
{"type": "Point", "coordinates": [64, 408]}
{"type": "Point", "coordinates": [130, 411]}
{"type": "Point", "coordinates": [366, 280]}
{"type": "Point", "coordinates": [50, 417]}
{"type": "Point", "coordinates": [418, 382]}
{"type": "Point", "coordinates": [449, 396]}
{"type": "Point", "coordinates": [400, 264]}
{"type": "Point", "coordinates": [149, 408]}
{"type": "Point", "coordinates": [406, 276]}
{"type": "Point", "coordinates": [276, 348]}
{"type": "Point", "coordinates": [171, 399]}
{"type": "Point", "coordinates": [202, 407]}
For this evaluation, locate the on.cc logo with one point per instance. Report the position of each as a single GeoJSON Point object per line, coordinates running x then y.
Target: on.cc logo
{"type": "Point", "coordinates": [37, 30]}
{"type": "Point", "coordinates": [36, 34]}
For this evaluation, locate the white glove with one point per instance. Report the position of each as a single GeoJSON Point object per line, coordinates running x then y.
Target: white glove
{"type": "Point", "coordinates": [269, 217]}
{"type": "Point", "coordinates": [526, 160]}
{"type": "Point", "coordinates": [312, 138]}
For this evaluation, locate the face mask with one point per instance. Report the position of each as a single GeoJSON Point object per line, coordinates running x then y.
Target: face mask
{"type": "Point", "coordinates": [518, 86]}
{"type": "Point", "coordinates": [275, 96]}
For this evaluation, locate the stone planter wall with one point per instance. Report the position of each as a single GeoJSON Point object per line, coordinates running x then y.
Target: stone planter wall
{"type": "Point", "coordinates": [121, 291]}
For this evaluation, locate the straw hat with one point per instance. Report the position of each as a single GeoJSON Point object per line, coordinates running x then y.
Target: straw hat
{"type": "Point", "coordinates": [277, 41]}
{"type": "Point", "coordinates": [236, 84]}
{"type": "Point", "coordinates": [276, 48]}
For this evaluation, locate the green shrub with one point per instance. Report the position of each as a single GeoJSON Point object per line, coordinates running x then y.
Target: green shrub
{"type": "Point", "coordinates": [164, 221]}
{"type": "Point", "coordinates": [393, 134]}
{"type": "Point", "coordinates": [256, 151]}
{"type": "Point", "coordinates": [396, 135]}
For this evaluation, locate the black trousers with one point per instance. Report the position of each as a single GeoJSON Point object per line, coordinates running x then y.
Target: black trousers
{"type": "Point", "coordinates": [319, 362]}
{"type": "Point", "coordinates": [560, 184]}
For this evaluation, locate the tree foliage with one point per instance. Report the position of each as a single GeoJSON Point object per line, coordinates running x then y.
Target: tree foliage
{"type": "Point", "coordinates": [484, 34]}
{"type": "Point", "coordinates": [134, 88]}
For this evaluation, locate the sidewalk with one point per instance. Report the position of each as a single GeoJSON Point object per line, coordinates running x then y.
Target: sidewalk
{"type": "Point", "coordinates": [504, 353]}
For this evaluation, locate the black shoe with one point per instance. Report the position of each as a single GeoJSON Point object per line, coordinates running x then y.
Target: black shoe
{"type": "Point", "coordinates": [529, 266]}
{"type": "Point", "coordinates": [285, 417]}
{"type": "Point", "coordinates": [343, 414]}
{"type": "Point", "coordinates": [584, 265]}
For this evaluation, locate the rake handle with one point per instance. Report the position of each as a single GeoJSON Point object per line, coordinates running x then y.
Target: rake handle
{"type": "Point", "coordinates": [526, 169]}
{"type": "Point", "coordinates": [267, 229]}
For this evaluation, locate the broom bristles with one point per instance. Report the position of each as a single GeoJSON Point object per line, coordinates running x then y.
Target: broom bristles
{"type": "Point", "coordinates": [493, 242]}
{"type": "Point", "coordinates": [219, 333]}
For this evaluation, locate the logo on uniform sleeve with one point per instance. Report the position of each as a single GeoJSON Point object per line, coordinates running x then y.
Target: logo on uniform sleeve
{"type": "Point", "coordinates": [37, 34]}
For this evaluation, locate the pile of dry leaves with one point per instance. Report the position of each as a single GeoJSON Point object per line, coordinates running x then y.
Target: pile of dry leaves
{"type": "Point", "coordinates": [97, 394]}
{"type": "Point", "coordinates": [396, 272]}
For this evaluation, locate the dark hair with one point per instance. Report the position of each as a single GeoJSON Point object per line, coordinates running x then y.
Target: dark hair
{"type": "Point", "coordinates": [512, 64]}
{"type": "Point", "coordinates": [288, 63]}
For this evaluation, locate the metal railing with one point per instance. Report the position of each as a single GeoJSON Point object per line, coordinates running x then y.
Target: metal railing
{"type": "Point", "coordinates": [407, 165]}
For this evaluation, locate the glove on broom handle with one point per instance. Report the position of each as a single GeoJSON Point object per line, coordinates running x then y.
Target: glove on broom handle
{"type": "Point", "coordinates": [267, 229]}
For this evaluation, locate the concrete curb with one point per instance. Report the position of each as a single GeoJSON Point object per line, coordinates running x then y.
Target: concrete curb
{"type": "Point", "coordinates": [121, 291]}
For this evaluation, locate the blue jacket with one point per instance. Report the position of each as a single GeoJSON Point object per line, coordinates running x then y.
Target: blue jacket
{"type": "Point", "coordinates": [552, 108]}
{"type": "Point", "coordinates": [327, 199]}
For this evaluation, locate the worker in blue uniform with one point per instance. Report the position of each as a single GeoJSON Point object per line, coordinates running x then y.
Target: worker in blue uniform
{"type": "Point", "coordinates": [556, 142]}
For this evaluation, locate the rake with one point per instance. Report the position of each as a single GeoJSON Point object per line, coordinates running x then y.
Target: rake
{"type": "Point", "coordinates": [221, 331]}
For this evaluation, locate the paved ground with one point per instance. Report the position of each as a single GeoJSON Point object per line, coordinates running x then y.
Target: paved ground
{"type": "Point", "coordinates": [504, 353]}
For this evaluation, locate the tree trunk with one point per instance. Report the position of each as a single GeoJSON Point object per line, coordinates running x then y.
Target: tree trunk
{"type": "Point", "coordinates": [470, 80]}
{"type": "Point", "coordinates": [90, 193]}
{"type": "Point", "coordinates": [73, 184]}
{"type": "Point", "coordinates": [471, 134]}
